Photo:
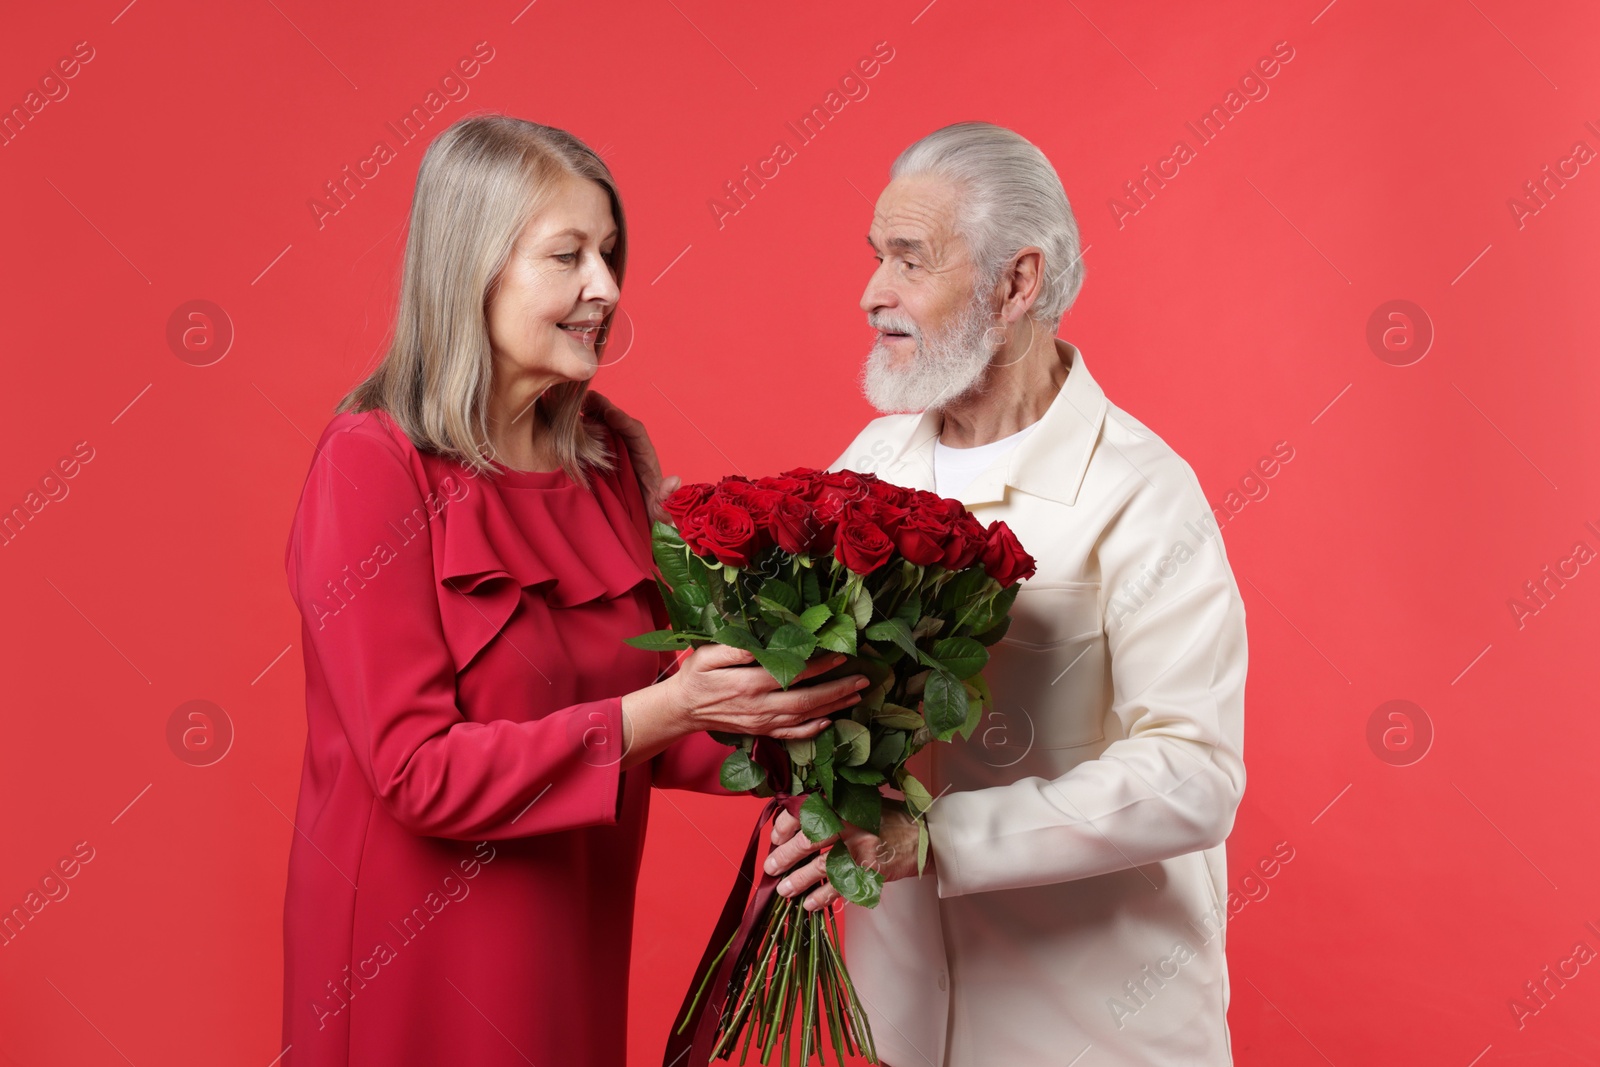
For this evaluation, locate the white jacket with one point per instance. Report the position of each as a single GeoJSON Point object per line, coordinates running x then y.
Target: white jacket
{"type": "Point", "coordinates": [1074, 911]}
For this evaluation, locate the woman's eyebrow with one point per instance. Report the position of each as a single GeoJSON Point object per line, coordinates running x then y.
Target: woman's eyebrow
{"type": "Point", "coordinates": [572, 231]}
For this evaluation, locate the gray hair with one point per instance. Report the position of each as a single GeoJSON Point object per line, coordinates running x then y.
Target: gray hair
{"type": "Point", "coordinates": [479, 184]}
{"type": "Point", "coordinates": [1011, 198]}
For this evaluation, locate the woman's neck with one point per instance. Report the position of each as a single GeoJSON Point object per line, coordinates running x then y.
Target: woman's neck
{"type": "Point", "coordinates": [522, 439]}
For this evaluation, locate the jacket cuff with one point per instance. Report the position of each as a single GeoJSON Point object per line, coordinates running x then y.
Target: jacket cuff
{"type": "Point", "coordinates": [942, 848]}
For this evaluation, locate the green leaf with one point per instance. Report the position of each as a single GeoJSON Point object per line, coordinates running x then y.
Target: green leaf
{"type": "Point", "coordinates": [918, 799]}
{"type": "Point", "coordinates": [855, 743]}
{"type": "Point", "coordinates": [974, 713]}
{"type": "Point", "coordinates": [802, 750]}
{"type": "Point", "coordinates": [863, 775]}
{"type": "Point", "coordinates": [824, 761]}
{"type": "Point", "coordinates": [666, 533]}
{"type": "Point", "coordinates": [775, 613]}
{"type": "Point", "coordinates": [944, 704]}
{"type": "Point", "coordinates": [965, 586]}
{"type": "Point", "coordinates": [693, 596]}
{"type": "Point", "coordinates": [888, 749]}
{"type": "Point", "coordinates": [861, 606]}
{"type": "Point", "coordinates": [922, 846]}
{"type": "Point", "coordinates": [895, 630]}
{"type": "Point", "coordinates": [791, 638]}
{"type": "Point", "coordinates": [817, 820]}
{"type": "Point", "coordinates": [673, 561]}
{"type": "Point", "coordinates": [978, 686]}
{"type": "Point", "coordinates": [810, 588]}
{"type": "Point", "coordinates": [857, 884]}
{"type": "Point", "coordinates": [740, 773]}
{"type": "Point", "coordinates": [737, 636]}
{"type": "Point", "coordinates": [995, 632]}
{"type": "Point", "coordinates": [685, 605]}
{"type": "Point", "coordinates": [895, 717]}
{"type": "Point", "coordinates": [659, 641]}
{"type": "Point", "coordinates": [910, 612]}
{"type": "Point", "coordinates": [781, 592]}
{"type": "Point", "coordinates": [839, 635]}
{"type": "Point", "coordinates": [813, 618]}
{"type": "Point", "coordinates": [961, 656]}
{"type": "Point", "coordinates": [859, 804]}
{"type": "Point", "coordinates": [784, 666]}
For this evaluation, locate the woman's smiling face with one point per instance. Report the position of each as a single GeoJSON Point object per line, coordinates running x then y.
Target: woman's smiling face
{"type": "Point", "coordinates": [556, 289]}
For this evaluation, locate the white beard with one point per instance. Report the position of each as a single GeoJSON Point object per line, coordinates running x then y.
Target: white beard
{"type": "Point", "coordinates": [944, 366]}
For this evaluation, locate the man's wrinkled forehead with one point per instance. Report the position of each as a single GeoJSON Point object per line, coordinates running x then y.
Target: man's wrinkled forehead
{"type": "Point", "coordinates": [916, 216]}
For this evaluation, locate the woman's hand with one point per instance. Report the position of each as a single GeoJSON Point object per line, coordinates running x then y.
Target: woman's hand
{"type": "Point", "coordinates": [722, 688]}
{"type": "Point", "coordinates": [646, 464]}
{"type": "Point", "coordinates": [717, 687]}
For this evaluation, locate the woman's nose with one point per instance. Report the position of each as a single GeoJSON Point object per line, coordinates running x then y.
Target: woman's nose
{"type": "Point", "coordinates": [602, 285]}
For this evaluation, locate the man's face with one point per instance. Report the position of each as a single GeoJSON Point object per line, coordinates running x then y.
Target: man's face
{"type": "Point", "coordinates": [923, 299]}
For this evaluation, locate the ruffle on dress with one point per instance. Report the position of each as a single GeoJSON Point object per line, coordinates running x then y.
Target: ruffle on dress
{"type": "Point", "coordinates": [569, 544]}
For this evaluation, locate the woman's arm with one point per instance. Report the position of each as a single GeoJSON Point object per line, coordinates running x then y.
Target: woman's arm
{"type": "Point", "coordinates": [375, 642]}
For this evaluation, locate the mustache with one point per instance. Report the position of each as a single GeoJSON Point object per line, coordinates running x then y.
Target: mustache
{"type": "Point", "coordinates": [892, 323]}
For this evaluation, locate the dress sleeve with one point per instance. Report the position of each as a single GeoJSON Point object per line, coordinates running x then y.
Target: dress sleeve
{"type": "Point", "coordinates": [693, 763]}
{"type": "Point", "coordinates": [373, 634]}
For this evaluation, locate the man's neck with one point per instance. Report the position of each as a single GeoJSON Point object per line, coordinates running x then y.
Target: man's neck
{"type": "Point", "coordinates": [1014, 395]}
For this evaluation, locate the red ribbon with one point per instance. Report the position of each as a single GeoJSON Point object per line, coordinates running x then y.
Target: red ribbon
{"type": "Point", "coordinates": [690, 1045]}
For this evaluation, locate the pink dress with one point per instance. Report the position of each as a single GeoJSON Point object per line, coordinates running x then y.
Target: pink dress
{"type": "Point", "coordinates": [461, 883]}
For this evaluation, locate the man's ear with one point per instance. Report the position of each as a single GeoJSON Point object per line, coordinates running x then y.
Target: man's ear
{"type": "Point", "coordinates": [1023, 281]}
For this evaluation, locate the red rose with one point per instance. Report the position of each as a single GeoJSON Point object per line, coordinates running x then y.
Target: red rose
{"type": "Point", "coordinates": [804, 474]}
{"type": "Point", "coordinates": [1003, 557]}
{"type": "Point", "coordinates": [788, 486]}
{"type": "Point", "coordinates": [920, 538]}
{"type": "Point", "coordinates": [964, 543]}
{"type": "Point", "coordinates": [934, 514]}
{"type": "Point", "coordinates": [686, 499]}
{"type": "Point", "coordinates": [839, 487]}
{"type": "Point", "coordinates": [886, 517]}
{"type": "Point", "coordinates": [725, 531]}
{"type": "Point", "coordinates": [951, 511]}
{"type": "Point", "coordinates": [861, 544]}
{"type": "Point", "coordinates": [889, 493]}
{"type": "Point", "coordinates": [748, 495]}
{"type": "Point", "coordinates": [793, 527]}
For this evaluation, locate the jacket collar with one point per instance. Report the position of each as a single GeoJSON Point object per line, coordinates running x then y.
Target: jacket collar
{"type": "Point", "coordinates": [1050, 462]}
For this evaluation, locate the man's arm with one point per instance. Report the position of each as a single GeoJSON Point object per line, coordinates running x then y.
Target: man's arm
{"type": "Point", "coordinates": [1172, 784]}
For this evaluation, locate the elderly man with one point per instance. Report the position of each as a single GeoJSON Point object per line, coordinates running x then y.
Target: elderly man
{"type": "Point", "coordinates": [1072, 909]}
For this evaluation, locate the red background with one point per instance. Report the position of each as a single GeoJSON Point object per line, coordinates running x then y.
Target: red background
{"type": "Point", "coordinates": [1228, 314]}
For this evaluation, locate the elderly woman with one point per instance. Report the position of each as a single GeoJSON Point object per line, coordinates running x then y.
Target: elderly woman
{"type": "Point", "coordinates": [470, 550]}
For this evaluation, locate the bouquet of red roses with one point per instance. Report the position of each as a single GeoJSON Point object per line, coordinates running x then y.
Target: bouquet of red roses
{"type": "Point", "coordinates": [909, 586]}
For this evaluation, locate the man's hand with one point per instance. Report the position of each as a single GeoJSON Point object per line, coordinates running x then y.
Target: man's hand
{"type": "Point", "coordinates": [892, 852]}
{"type": "Point", "coordinates": [645, 462]}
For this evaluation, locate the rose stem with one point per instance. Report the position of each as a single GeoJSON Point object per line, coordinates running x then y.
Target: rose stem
{"type": "Point", "coordinates": [783, 989]}
{"type": "Point", "coordinates": [732, 1029]}
{"type": "Point", "coordinates": [857, 1010]}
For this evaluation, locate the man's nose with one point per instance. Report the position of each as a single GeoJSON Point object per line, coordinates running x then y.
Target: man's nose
{"type": "Point", "coordinates": [877, 294]}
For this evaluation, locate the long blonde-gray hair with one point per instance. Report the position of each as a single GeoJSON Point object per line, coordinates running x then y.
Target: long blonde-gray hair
{"type": "Point", "coordinates": [479, 184]}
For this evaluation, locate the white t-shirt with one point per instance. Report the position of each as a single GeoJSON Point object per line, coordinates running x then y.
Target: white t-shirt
{"type": "Point", "coordinates": [954, 468]}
